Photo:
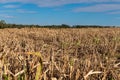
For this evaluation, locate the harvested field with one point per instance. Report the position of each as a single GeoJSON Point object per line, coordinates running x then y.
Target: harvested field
{"type": "Point", "coordinates": [60, 54]}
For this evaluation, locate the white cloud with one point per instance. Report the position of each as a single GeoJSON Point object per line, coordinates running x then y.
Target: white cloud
{"type": "Point", "coordinates": [117, 18]}
{"type": "Point", "coordinates": [98, 8]}
{"type": "Point", "coordinates": [11, 6]}
{"type": "Point", "coordinates": [5, 11]}
{"type": "Point", "coordinates": [98, 5]}
{"type": "Point", "coordinates": [25, 11]}
{"type": "Point", "coordinates": [114, 12]}
{"type": "Point", "coordinates": [52, 3]}
{"type": "Point", "coordinates": [6, 16]}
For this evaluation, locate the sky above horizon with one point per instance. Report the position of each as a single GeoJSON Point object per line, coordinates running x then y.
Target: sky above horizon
{"type": "Point", "coordinates": [56, 12]}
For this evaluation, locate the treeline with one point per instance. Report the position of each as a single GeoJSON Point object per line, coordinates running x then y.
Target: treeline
{"type": "Point", "coordinates": [3, 24]}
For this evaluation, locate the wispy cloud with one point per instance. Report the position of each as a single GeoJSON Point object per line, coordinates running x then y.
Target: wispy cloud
{"type": "Point", "coordinates": [25, 11]}
{"type": "Point", "coordinates": [114, 12]}
{"type": "Point", "coordinates": [118, 18]}
{"type": "Point", "coordinates": [6, 11]}
{"type": "Point", "coordinates": [98, 5]}
{"type": "Point", "coordinates": [6, 16]}
{"type": "Point", "coordinates": [51, 3]}
{"type": "Point", "coordinates": [99, 8]}
{"type": "Point", "coordinates": [11, 6]}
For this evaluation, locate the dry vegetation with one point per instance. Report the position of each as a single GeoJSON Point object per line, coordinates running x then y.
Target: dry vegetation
{"type": "Point", "coordinates": [60, 54]}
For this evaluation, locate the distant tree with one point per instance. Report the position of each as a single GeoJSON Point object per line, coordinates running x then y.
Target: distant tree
{"type": "Point", "coordinates": [2, 23]}
{"type": "Point", "coordinates": [65, 26]}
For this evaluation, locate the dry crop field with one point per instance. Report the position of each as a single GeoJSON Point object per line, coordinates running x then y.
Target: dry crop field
{"type": "Point", "coordinates": [60, 54]}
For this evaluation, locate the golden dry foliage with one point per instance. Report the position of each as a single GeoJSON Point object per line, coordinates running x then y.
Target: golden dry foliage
{"type": "Point", "coordinates": [60, 54]}
{"type": "Point", "coordinates": [21, 66]}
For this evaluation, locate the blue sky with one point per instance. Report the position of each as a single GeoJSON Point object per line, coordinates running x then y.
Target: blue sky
{"type": "Point", "coordinates": [71, 12]}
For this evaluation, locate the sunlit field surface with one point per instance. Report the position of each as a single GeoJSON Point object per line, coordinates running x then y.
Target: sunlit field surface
{"type": "Point", "coordinates": [60, 54]}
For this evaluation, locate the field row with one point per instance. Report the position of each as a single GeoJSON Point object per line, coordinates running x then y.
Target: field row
{"type": "Point", "coordinates": [60, 54]}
